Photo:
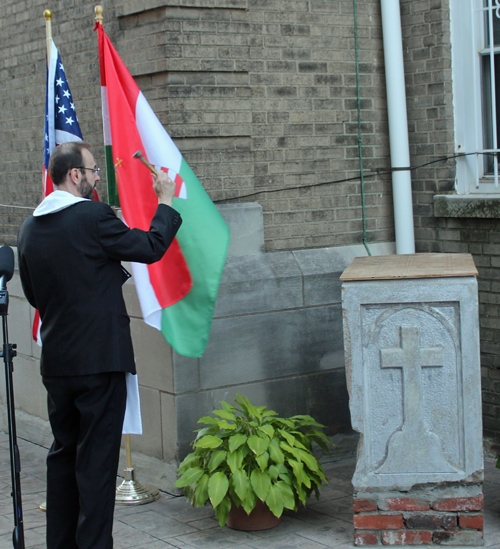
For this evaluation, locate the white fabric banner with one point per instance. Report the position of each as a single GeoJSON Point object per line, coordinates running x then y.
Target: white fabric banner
{"type": "Point", "coordinates": [132, 423]}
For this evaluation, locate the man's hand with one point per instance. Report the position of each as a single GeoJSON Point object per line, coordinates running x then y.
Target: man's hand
{"type": "Point", "coordinates": [164, 188]}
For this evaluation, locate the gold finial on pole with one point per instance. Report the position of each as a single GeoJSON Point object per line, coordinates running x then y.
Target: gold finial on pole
{"type": "Point", "coordinates": [48, 32]}
{"type": "Point", "coordinates": [98, 14]}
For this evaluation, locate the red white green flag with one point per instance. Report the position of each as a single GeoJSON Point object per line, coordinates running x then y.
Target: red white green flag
{"type": "Point", "coordinates": [177, 294]}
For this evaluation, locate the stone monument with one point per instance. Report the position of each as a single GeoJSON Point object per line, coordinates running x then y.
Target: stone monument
{"type": "Point", "coordinates": [411, 337]}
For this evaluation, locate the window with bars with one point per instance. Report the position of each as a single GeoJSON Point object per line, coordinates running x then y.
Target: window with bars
{"type": "Point", "coordinates": [475, 38]}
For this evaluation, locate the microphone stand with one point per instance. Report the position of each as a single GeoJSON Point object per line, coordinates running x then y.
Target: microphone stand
{"type": "Point", "coordinates": [9, 352]}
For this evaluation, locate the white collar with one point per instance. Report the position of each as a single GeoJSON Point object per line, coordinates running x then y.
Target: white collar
{"type": "Point", "coordinates": [56, 201]}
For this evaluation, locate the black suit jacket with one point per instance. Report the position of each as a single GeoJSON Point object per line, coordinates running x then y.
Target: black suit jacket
{"type": "Point", "coordinates": [70, 269]}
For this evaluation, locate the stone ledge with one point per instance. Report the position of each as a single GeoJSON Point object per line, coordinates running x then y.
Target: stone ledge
{"type": "Point", "coordinates": [474, 206]}
{"type": "Point", "coordinates": [138, 6]}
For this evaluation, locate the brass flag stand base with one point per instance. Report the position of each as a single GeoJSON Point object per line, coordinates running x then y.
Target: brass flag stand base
{"type": "Point", "coordinates": [131, 491]}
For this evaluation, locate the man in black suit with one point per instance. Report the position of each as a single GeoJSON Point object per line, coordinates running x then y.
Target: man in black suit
{"type": "Point", "coordinates": [69, 260]}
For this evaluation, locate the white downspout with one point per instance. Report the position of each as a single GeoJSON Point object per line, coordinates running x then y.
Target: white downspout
{"type": "Point", "coordinates": [398, 126]}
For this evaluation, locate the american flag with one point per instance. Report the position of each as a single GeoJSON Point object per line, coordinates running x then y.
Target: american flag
{"type": "Point", "coordinates": [61, 122]}
{"type": "Point", "coordinates": [61, 126]}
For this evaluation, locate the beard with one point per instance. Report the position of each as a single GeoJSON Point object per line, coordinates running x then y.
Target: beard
{"type": "Point", "coordinates": [86, 189]}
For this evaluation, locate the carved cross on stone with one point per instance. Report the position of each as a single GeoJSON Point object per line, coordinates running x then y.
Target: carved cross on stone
{"type": "Point", "coordinates": [414, 448]}
{"type": "Point", "coordinates": [410, 357]}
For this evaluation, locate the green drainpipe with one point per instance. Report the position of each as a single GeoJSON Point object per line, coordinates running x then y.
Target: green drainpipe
{"type": "Point", "coordinates": [360, 143]}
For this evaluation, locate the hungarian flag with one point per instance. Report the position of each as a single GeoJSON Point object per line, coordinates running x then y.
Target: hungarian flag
{"type": "Point", "coordinates": [178, 293]}
{"type": "Point", "coordinates": [61, 126]}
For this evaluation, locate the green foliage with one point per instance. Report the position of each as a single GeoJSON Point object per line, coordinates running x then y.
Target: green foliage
{"type": "Point", "coordinates": [247, 453]}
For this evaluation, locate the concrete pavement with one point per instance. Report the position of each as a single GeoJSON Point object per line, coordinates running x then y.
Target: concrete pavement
{"type": "Point", "coordinates": [172, 522]}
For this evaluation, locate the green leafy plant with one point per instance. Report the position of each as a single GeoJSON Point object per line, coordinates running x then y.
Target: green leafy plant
{"type": "Point", "coordinates": [247, 453]}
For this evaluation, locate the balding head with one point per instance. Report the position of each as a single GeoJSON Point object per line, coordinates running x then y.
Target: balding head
{"type": "Point", "coordinates": [63, 158]}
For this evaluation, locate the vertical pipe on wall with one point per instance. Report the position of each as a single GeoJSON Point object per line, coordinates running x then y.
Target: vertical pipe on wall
{"type": "Point", "coordinates": [398, 126]}
{"type": "Point", "coordinates": [360, 142]}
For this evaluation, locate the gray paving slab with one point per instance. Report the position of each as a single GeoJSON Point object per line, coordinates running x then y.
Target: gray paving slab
{"type": "Point", "coordinates": [171, 522]}
{"type": "Point", "coordinates": [286, 541]}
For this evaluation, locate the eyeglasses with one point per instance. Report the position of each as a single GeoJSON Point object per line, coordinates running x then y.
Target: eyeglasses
{"type": "Point", "coordinates": [95, 170]}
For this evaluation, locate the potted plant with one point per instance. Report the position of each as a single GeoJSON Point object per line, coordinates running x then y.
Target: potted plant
{"type": "Point", "coordinates": [247, 457]}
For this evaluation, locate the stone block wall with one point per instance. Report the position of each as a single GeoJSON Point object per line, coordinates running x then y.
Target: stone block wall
{"type": "Point", "coordinates": [276, 338]}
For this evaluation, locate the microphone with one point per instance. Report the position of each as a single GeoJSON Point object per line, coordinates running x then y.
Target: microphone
{"type": "Point", "coordinates": [6, 265]}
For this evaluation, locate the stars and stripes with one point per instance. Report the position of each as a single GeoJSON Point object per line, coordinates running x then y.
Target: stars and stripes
{"type": "Point", "coordinates": [61, 122]}
{"type": "Point", "coordinates": [61, 126]}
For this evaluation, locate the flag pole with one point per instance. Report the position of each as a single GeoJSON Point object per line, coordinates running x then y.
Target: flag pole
{"type": "Point", "coordinates": [48, 32]}
{"type": "Point", "coordinates": [130, 491]}
{"type": "Point", "coordinates": [48, 40]}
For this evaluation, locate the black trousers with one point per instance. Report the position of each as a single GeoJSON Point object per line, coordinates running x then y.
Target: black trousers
{"type": "Point", "coordinates": [86, 415]}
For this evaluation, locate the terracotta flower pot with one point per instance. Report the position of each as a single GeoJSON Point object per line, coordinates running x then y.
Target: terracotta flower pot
{"type": "Point", "coordinates": [261, 518]}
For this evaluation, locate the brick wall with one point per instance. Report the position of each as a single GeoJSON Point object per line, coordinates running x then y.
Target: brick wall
{"type": "Point", "coordinates": [427, 53]}
{"type": "Point", "coordinates": [22, 80]}
{"type": "Point", "coordinates": [430, 516]}
{"type": "Point", "coordinates": [258, 95]}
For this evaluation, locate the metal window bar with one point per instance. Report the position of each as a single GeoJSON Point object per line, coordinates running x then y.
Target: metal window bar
{"type": "Point", "coordinates": [493, 84]}
{"type": "Point", "coordinates": [473, 15]}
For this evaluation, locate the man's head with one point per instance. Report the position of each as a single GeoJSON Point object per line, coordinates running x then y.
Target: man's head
{"type": "Point", "coordinates": [72, 168]}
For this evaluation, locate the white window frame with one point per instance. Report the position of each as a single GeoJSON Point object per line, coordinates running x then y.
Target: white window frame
{"type": "Point", "coordinates": [468, 41]}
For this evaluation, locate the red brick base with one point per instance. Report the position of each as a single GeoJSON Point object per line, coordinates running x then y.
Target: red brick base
{"type": "Point", "coordinates": [420, 517]}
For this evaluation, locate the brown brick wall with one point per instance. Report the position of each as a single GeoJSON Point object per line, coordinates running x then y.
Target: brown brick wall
{"type": "Point", "coordinates": [427, 54]}
{"type": "Point", "coordinates": [420, 517]}
{"type": "Point", "coordinates": [259, 96]}
{"type": "Point", "coordinates": [262, 96]}
{"type": "Point", "coordinates": [22, 81]}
